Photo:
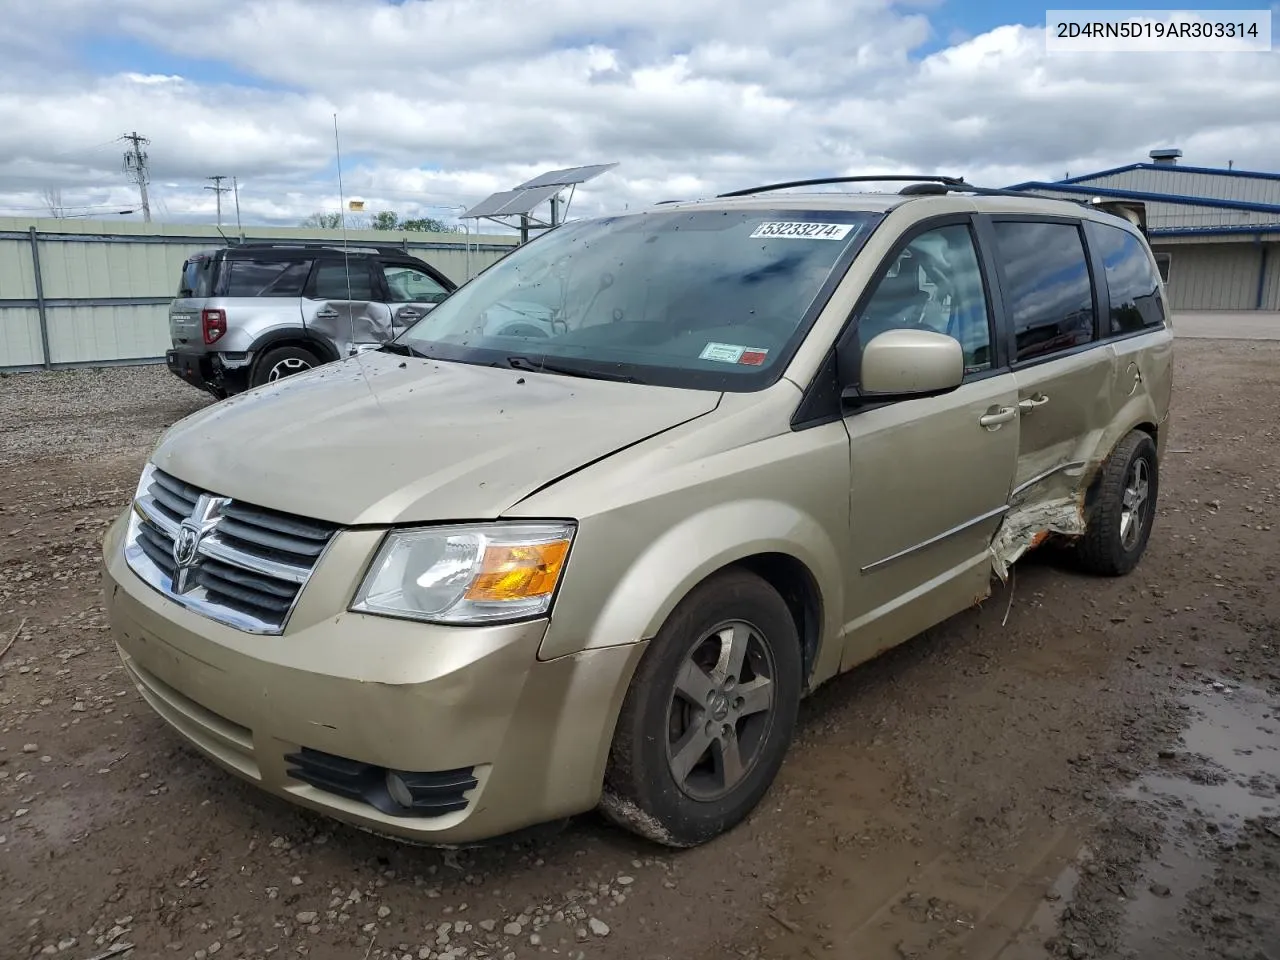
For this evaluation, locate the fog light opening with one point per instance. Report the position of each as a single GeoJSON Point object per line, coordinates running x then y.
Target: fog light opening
{"type": "Point", "coordinates": [399, 790]}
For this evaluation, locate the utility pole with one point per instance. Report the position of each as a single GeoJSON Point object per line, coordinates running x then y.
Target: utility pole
{"type": "Point", "coordinates": [218, 190]}
{"type": "Point", "coordinates": [235, 187]}
{"type": "Point", "coordinates": [135, 166]}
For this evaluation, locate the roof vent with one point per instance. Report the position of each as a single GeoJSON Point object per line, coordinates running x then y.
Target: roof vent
{"type": "Point", "coordinates": [1168, 156]}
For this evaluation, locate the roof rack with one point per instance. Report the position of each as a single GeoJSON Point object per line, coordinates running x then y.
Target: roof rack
{"type": "Point", "coordinates": [917, 185]}
{"type": "Point", "coordinates": [401, 248]}
{"type": "Point", "coordinates": [862, 178]}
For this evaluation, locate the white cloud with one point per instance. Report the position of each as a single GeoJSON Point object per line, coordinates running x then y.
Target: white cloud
{"type": "Point", "coordinates": [443, 102]}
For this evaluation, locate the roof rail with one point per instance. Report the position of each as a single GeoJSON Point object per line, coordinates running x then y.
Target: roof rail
{"type": "Point", "coordinates": [862, 178]}
{"type": "Point", "coordinates": [401, 247]}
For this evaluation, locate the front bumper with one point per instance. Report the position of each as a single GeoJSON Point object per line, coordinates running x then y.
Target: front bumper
{"type": "Point", "coordinates": [527, 740]}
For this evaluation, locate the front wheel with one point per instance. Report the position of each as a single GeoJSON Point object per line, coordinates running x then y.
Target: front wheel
{"type": "Point", "coordinates": [709, 715]}
{"type": "Point", "coordinates": [1123, 508]}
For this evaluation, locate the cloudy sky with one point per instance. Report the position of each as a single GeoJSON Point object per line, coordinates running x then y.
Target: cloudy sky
{"type": "Point", "coordinates": [441, 102]}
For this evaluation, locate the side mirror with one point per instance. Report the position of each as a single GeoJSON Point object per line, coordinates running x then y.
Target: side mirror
{"type": "Point", "coordinates": [908, 365]}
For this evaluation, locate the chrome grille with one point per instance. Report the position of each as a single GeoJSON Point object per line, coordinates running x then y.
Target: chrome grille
{"type": "Point", "coordinates": [234, 562]}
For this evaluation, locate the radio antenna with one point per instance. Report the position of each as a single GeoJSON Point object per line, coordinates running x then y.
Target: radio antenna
{"type": "Point", "coordinates": [346, 256]}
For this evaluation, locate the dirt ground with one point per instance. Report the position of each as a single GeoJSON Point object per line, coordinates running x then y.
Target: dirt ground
{"type": "Point", "coordinates": [1079, 768]}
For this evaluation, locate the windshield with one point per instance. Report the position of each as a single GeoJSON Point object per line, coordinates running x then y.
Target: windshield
{"type": "Point", "coordinates": [709, 299]}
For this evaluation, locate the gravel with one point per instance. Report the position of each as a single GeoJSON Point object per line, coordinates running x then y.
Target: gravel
{"type": "Point", "coordinates": [91, 412]}
{"type": "Point", "coordinates": [921, 789]}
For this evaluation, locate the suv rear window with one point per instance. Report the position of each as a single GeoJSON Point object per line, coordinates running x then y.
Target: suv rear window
{"type": "Point", "coordinates": [196, 279]}
{"type": "Point", "coordinates": [263, 278]}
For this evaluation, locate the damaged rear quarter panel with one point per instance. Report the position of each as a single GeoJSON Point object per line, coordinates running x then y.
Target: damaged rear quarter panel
{"type": "Point", "coordinates": [1061, 508]}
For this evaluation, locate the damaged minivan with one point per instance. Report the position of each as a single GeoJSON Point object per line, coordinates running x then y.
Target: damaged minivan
{"type": "Point", "coordinates": [587, 534]}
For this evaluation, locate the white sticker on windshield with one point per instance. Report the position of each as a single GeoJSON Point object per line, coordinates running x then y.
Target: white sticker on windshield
{"type": "Point", "coordinates": [803, 230]}
{"type": "Point", "coordinates": [732, 353]}
{"type": "Point", "coordinates": [724, 352]}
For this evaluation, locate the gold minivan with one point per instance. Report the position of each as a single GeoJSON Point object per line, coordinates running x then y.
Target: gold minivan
{"type": "Point", "coordinates": [586, 535]}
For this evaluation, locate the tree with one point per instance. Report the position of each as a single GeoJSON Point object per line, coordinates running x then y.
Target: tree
{"type": "Point", "coordinates": [53, 200]}
{"type": "Point", "coordinates": [427, 225]}
{"type": "Point", "coordinates": [323, 220]}
{"type": "Point", "coordinates": [385, 220]}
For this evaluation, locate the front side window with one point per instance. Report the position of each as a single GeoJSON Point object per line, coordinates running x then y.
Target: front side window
{"type": "Point", "coordinates": [1050, 293]}
{"type": "Point", "coordinates": [935, 283]}
{"type": "Point", "coordinates": [407, 285]}
{"type": "Point", "coordinates": [334, 281]}
{"type": "Point", "coordinates": [264, 278]}
{"type": "Point", "coordinates": [1132, 279]}
{"type": "Point", "coordinates": [708, 299]}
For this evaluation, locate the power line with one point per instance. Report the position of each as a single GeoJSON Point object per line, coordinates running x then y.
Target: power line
{"type": "Point", "coordinates": [218, 190]}
{"type": "Point", "coordinates": [135, 167]}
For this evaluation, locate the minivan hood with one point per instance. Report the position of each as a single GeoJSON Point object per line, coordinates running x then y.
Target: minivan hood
{"type": "Point", "coordinates": [380, 439]}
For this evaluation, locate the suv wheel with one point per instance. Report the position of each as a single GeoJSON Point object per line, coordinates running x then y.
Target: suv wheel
{"type": "Point", "coordinates": [709, 715]}
{"type": "Point", "coordinates": [1124, 508]}
{"type": "Point", "coordinates": [281, 362]}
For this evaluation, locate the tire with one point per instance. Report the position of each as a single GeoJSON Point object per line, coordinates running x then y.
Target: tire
{"type": "Point", "coordinates": [1123, 508]}
{"type": "Point", "coordinates": [280, 362]}
{"type": "Point", "coordinates": [650, 786]}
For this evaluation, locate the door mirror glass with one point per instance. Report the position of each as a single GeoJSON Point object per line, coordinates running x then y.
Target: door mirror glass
{"type": "Point", "coordinates": [905, 364]}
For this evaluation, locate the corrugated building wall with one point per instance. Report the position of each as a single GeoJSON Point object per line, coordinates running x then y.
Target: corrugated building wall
{"type": "Point", "coordinates": [1214, 276]}
{"type": "Point", "coordinates": [104, 288]}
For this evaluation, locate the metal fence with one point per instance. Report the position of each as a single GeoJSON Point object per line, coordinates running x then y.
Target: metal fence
{"type": "Point", "coordinates": [76, 293]}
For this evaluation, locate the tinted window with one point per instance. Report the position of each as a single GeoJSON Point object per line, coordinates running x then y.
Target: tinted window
{"type": "Point", "coordinates": [407, 285]}
{"type": "Point", "coordinates": [331, 282]}
{"type": "Point", "coordinates": [264, 278]}
{"type": "Point", "coordinates": [935, 284]}
{"type": "Point", "coordinates": [1131, 279]}
{"type": "Point", "coordinates": [196, 274]}
{"type": "Point", "coordinates": [1050, 296]}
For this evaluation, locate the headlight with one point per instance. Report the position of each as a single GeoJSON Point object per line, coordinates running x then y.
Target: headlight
{"type": "Point", "coordinates": [478, 573]}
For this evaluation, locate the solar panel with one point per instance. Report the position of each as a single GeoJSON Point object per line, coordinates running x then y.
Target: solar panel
{"type": "Point", "coordinates": [513, 203]}
{"type": "Point", "coordinates": [568, 176]}
{"type": "Point", "coordinates": [489, 206]}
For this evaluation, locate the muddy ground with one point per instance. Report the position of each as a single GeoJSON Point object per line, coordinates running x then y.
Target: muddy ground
{"type": "Point", "coordinates": [1079, 768]}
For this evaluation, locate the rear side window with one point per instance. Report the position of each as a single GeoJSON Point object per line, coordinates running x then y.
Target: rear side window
{"type": "Point", "coordinates": [332, 284]}
{"type": "Point", "coordinates": [264, 278]}
{"type": "Point", "coordinates": [1049, 292]}
{"type": "Point", "coordinates": [195, 278]}
{"type": "Point", "coordinates": [1132, 280]}
{"type": "Point", "coordinates": [409, 285]}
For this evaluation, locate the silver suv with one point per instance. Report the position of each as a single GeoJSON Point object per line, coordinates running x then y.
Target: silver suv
{"type": "Point", "coordinates": [253, 313]}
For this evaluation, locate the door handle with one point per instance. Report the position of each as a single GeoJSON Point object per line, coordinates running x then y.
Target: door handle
{"type": "Point", "coordinates": [326, 314]}
{"type": "Point", "coordinates": [408, 314]}
{"type": "Point", "coordinates": [1030, 403]}
{"type": "Point", "coordinates": [995, 418]}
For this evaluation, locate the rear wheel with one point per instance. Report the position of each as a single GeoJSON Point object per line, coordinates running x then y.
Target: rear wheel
{"type": "Point", "coordinates": [1123, 508]}
{"type": "Point", "coordinates": [280, 362]}
{"type": "Point", "coordinates": [709, 715]}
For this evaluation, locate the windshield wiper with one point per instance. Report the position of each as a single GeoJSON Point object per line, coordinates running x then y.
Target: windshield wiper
{"type": "Point", "coordinates": [540, 366]}
{"type": "Point", "coordinates": [402, 349]}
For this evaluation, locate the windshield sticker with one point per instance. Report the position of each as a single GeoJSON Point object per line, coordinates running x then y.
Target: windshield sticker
{"type": "Point", "coordinates": [802, 230]}
{"type": "Point", "coordinates": [732, 353]}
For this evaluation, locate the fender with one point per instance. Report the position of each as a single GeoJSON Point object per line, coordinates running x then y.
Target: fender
{"type": "Point", "coordinates": [297, 334]}
{"type": "Point", "coordinates": [687, 553]}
